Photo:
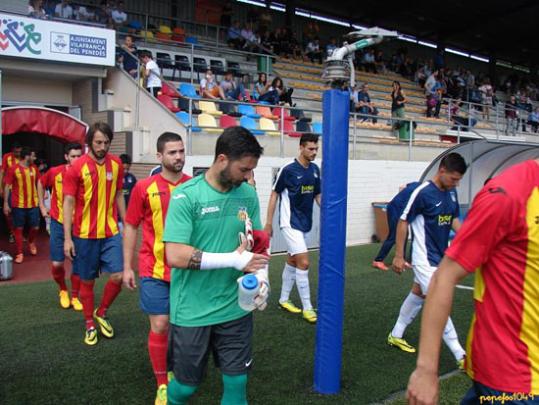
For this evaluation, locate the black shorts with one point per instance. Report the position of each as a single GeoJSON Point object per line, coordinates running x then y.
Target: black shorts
{"type": "Point", "coordinates": [230, 343]}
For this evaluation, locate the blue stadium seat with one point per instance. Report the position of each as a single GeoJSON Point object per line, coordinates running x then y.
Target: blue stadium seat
{"type": "Point", "coordinates": [188, 90]}
{"type": "Point", "coordinates": [317, 128]}
{"type": "Point", "coordinates": [248, 111]}
{"type": "Point", "coordinates": [250, 124]}
{"type": "Point", "coordinates": [184, 119]}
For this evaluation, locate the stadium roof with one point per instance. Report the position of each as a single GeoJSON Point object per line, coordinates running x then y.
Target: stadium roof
{"type": "Point", "coordinates": [496, 27]}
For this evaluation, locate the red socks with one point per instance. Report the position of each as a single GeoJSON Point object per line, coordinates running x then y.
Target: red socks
{"type": "Point", "coordinates": [110, 293]}
{"type": "Point", "coordinates": [9, 222]}
{"type": "Point", "coordinates": [58, 274]}
{"type": "Point", "coordinates": [32, 232]}
{"type": "Point", "coordinates": [17, 233]}
{"type": "Point", "coordinates": [75, 285]}
{"type": "Point", "coordinates": [86, 297]}
{"type": "Point", "coordinates": [157, 348]}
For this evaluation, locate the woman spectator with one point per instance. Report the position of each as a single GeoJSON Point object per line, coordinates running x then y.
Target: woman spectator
{"type": "Point", "coordinates": [398, 100]}
{"type": "Point", "coordinates": [261, 86]}
{"type": "Point", "coordinates": [486, 93]}
{"type": "Point", "coordinates": [35, 9]}
{"type": "Point", "coordinates": [209, 88]}
{"type": "Point", "coordinates": [277, 93]}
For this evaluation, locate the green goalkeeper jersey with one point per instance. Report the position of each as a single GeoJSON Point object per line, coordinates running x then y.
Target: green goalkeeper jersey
{"type": "Point", "coordinates": [209, 220]}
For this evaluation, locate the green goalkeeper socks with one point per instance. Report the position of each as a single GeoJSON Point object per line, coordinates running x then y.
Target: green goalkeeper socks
{"type": "Point", "coordinates": [235, 390]}
{"type": "Point", "coordinates": [178, 393]}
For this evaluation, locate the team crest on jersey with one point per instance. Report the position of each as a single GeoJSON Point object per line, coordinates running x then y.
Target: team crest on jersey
{"type": "Point", "coordinates": [242, 214]}
{"type": "Point", "coordinates": [109, 176]}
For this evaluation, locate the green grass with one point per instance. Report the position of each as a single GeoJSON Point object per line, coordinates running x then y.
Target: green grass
{"type": "Point", "coordinates": [44, 361]}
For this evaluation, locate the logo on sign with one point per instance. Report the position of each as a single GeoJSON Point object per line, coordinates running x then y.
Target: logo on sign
{"type": "Point", "coordinates": [18, 35]}
{"type": "Point", "coordinates": [59, 42]}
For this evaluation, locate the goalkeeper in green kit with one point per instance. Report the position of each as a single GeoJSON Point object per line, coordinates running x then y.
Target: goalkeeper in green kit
{"type": "Point", "coordinates": [204, 219]}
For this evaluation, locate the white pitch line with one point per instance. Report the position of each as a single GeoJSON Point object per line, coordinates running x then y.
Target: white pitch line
{"type": "Point", "coordinates": [464, 287]}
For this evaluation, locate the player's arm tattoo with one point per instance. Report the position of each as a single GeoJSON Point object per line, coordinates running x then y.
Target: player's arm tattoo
{"type": "Point", "coordinates": [195, 260]}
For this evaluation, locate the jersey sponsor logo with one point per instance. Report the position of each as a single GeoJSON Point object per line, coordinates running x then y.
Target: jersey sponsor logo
{"type": "Point", "coordinates": [157, 194]}
{"type": "Point", "coordinates": [444, 220]}
{"type": "Point", "coordinates": [242, 214]}
{"type": "Point", "coordinates": [209, 210]}
{"type": "Point", "coordinates": [307, 189]}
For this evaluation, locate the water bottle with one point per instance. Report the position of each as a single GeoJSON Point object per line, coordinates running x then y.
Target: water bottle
{"type": "Point", "coordinates": [247, 291]}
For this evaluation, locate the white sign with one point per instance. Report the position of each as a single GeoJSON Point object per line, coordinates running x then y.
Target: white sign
{"type": "Point", "coordinates": [48, 40]}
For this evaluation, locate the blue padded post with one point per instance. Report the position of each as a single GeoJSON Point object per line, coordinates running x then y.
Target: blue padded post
{"type": "Point", "coordinates": [329, 327]}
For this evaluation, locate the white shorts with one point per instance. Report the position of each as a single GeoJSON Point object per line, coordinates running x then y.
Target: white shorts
{"type": "Point", "coordinates": [295, 241]}
{"type": "Point", "coordinates": [422, 276]}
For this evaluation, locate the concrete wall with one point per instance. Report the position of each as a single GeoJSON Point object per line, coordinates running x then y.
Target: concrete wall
{"type": "Point", "coordinates": [368, 181]}
{"type": "Point", "coordinates": [36, 90]}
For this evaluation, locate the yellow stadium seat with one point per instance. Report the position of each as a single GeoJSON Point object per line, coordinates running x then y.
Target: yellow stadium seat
{"type": "Point", "coordinates": [146, 34]}
{"type": "Point", "coordinates": [165, 29]}
{"type": "Point", "coordinates": [208, 124]}
{"type": "Point", "coordinates": [209, 107]}
{"type": "Point", "coordinates": [268, 126]}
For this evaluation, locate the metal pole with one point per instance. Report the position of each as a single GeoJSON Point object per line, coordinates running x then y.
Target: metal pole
{"type": "Point", "coordinates": [267, 67]}
{"type": "Point", "coordinates": [458, 134]}
{"type": "Point", "coordinates": [146, 31]}
{"type": "Point", "coordinates": [192, 62]}
{"type": "Point", "coordinates": [281, 146]}
{"type": "Point", "coordinates": [355, 133]}
{"type": "Point", "coordinates": [137, 98]}
{"type": "Point", "coordinates": [190, 129]}
{"type": "Point", "coordinates": [497, 123]}
{"type": "Point", "coordinates": [449, 111]}
{"type": "Point", "coordinates": [410, 137]}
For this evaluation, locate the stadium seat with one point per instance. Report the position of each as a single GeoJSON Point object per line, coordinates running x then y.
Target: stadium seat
{"type": "Point", "coordinates": [277, 112]}
{"type": "Point", "coordinates": [227, 121]}
{"type": "Point", "coordinates": [265, 112]}
{"type": "Point", "coordinates": [248, 110]}
{"type": "Point", "coordinates": [268, 126]}
{"type": "Point", "coordinates": [209, 124]}
{"type": "Point", "coordinates": [146, 35]}
{"type": "Point", "coordinates": [162, 37]}
{"type": "Point", "coordinates": [209, 107]}
{"type": "Point", "coordinates": [250, 124]}
{"type": "Point", "coordinates": [234, 67]}
{"type": "Point", "coordinates": [184, 119]}
{"type": "Point", "coordinates": [168, 90]}
{"type": "Point", "coordinates": [289, 129]}
{"type": "Point", "coordinates": [317, 128]}
{"type": "Point", "coordinates": [199, 65]}
{"type": "Point", "coordinates": [165, 29]}
{"type": "Point", "coordinates": [182, 64]}
{"type": "Point", "coordinates": [217, 67]}
{"type": "Point", "coordinates": [136, 25]}
{"type": "Point", "coordinates": [303, 126]}
{"type": "Point", "coordinates": [188, 90]}
{"type": "Point", "coordinates": [191, 40]}
{"type": "Point", "coordinates": [168, 102]}
{"type": "Point", "coordinates": [165, 62]}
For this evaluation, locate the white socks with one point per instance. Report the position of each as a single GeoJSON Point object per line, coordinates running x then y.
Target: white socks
{"type": "Point", "coordinates": [409, 310]}
{"type": "Point", "coordinates": [302, 281]}
{"type": "Point", "coordinates": [289, 279]}
{"type": "Point", "coordinates": [452, 341]}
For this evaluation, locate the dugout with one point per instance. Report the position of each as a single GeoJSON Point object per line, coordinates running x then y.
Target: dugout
{"type": "Point", "coordinates": [485, 160]}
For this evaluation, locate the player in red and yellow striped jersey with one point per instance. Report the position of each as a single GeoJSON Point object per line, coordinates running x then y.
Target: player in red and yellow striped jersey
{"type": "Point", "coordinates": [53, 180]}
{"type": "Point", "coordinates": [21, 182]}
{"type": "Point", "coordinates": [148, 205]}
{"type": "Point", "coordinates": [92, 202]}
{"type": "Point", "coordinates": [499, 241]}
{"type": "Point", "coordinates": [8, 160]}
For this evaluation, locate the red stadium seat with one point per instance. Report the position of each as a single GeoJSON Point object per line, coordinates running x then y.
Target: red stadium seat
{"type": "Point", "coordinates": [227, 121]}
{"type": "Point", "coordinates": [287, 116]}
{"type": "Point", "coordinates": [168, 102]}
{"type": "Point", "coordinates": [170, 91]}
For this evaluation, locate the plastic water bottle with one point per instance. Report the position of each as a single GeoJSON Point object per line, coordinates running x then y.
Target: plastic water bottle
{"type": "Point", "coordinates": [247, 291]}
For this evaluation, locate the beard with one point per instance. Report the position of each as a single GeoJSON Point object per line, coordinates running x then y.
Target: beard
{"type": "Point", "coordinates": [225, 179]}
{"type": "Point", "coordinates": [99, 155]}
{"type": "Point", "coordinates": [174, 168]}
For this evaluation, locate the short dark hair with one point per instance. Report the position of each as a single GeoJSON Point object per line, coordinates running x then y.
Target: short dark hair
{"type": "Point", "coordinates": [308, 137]}
{"type": "Point", "coordinates": [102, 127]}
{"type": "Point", "coordinates": [125, 158]}
{"type": "Point", "coordinates": [25, 151]}
{"type": "Point", "coordinates": [15, 145]}
{"type": "Point", "coordinates": [237, 143]}
{"type": "Point", "coordinates": [167, 137]}
{"type": "Point", "coordinates": [453, 162]}
{"type": "Point", "coordinates": [72, 146]}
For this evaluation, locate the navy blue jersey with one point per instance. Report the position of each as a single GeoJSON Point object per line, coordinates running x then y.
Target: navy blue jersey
{"type": "Point", "coordinates": [398, 203]}
{"type": "Point", "coordinates": [297, 187]}
{"type": "Point", "coordinates": [127, 186]}
{"type": "Point", "coordinates": [430, 212]}
{"type": "Point", "coordinates": [155, 170]}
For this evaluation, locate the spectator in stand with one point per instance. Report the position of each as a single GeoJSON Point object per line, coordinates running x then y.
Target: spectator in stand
{"type": "Point", "coordinates": [364, 105]}
{"type": "Point", "coordinates": [226, 14]}
{"type": "Point", "coordinates": [368, 61]}
{"type": "Point", "coordinates": [511, 116]}
{"type": "Point", "coordinates": [265, 21]}
{"type": "Point", "coordinates": [64, 10]}
{"type": "Point", "coordinates": [261, 86]}
{"type": "Point", "coordinates": [83, 14]}
{"type": "Point", "coordinates": [126, 58]}
{"type": "Point", "coordinates": [49, 6]}
{"type": "Point", "coordinates": [313, 51]}
{"type": "Point", "coordinates": [433, 88]}
{"type": "Point", "coordinates": [439, 62]}
{"type": "Point", "coordinates": [331, 47]}
{"type": "Point", "coordinates": [209, 88]}
{"type": "Point", "coordinates": [470, 83]}
{"type": "Point", "coordinates": [533, 120]}
{"type": "Point", "coordinates": [462, 120]}
{"type": "Point", "coordinates": [524, 108]}
{"type": "Point", "coordinates": [234, 38]}
{"type": "Point", "coordinates": [486, 92]}
{"type": "Point", "coordinates": [231, 90]}
{"type": "Point", "coordinates": [277, 93]}
{"type": "Point", "coordinates": [398, 101]}
{"type": "Point", "coordinates": [248, 37]}
{"type": "Point", "coordinates": [379, 61]}
{"type": "Point", "coordinates": [36, 10]}
{"type": "Point", "coordinates": [103, 14]}
{"type": "Point", "coordinates": [118, 15]}
{"type": "Point", "coordinates": [267, 41]}
{"type": "Point", "coordinates": [152, 74]}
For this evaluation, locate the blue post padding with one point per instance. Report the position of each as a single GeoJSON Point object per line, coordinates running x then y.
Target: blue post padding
{"type": "Point", "coordinates": [329, 327]}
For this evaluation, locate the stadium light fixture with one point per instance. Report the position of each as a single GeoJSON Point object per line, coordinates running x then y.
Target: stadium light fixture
{"type": "Point", "coordinates": [308, 14]}
{"type": "Point", "coordinates": [278, 7]}
{"type": "Point", "coordinates": [480, 58]}
{"type": "Point", "coordinates": [427, 44]}
{"type": "Point", "coordinates": [456, 52]}
{"type": "Point", "coordinates": [253, 3]}
{"type": "Point", "coordinates": [407, 38]}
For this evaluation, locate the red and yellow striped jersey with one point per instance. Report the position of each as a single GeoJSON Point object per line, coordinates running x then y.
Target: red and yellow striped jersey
{"type": "Point", "coordinates": [149, 204]}
{"type": "Point", "coordinates": [53, 180]}
{"type": "Point", "coordinates": [499, 240]}
{"type": "Point", "coordinates": [8, 160]}
{"type": "Point", "coordinates": [23, 182]}
{"type": "Point", "coordinates": [94, 187]}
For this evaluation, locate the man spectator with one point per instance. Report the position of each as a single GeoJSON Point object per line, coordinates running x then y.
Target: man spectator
{"type": "Point", "coordinates": [234, 38]}
{"type": "Point", "coordinates": [331, 47]}
{"type": "Point", "coordinates": [35, 9]}
{"type": "Point", "coordinates": [103, 14]}
{"type": "Point", "coordinates": [369, 62]}
{"type": "Point", "coordinates": [511, 113]}
{"type": "Point", "coordinates": [364, 105]}
{"type": "Point", "coordinates": [498, 242]}
{"type": "Point", "coordinates": [209, 88]}
{"type": "Point", "coordinates": [64, 10]}
{"type": "Point", "coordinates": [231, 90]}
{"type": "Point", "coordinates": [433, 92]}
{"type": "Point", "coordinates": [313, 51]}
{"type": "Point", "coordinates": [129, 179]}
{"type": "Point", "coordinates": [118, 15]}
{"type": "Point", "coordinates": [127, 58]}
{"type": "Point", "coordinates": [82, 14]}
{"type": "Point", "coordinates": [152, 74]}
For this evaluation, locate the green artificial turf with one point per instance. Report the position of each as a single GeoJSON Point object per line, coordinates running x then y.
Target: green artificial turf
{"type": "Point", "coordinates": [44, 361]}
